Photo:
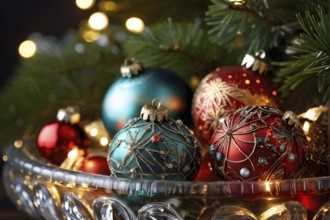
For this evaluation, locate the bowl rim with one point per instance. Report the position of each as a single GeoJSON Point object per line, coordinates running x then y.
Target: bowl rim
{"type": "Point", "coordinates": [21, 159]}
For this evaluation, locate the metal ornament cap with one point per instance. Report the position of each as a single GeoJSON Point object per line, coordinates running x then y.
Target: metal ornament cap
{"type": "Point", "coordinates": [154, 112]}
{"type": "Point", "coordinates": [256, 63]}
{"type": "Point", "coordinates": [291, 119]}
{"type": "Point", "coordinates": [131, 67]}
{"type": "Point", "coordinates": [68, 115]}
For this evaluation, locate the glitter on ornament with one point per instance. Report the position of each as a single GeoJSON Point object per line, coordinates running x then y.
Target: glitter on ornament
{"type": "Point", "coordinates": [255, 143]}
{"type": "Point", "coordinates": [154, 146]}
{"type": "Point", "coordinates": [228, 88]}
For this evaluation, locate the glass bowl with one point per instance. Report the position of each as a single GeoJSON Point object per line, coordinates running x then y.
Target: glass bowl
{"type": "Point", "coordinates": [46, 191]}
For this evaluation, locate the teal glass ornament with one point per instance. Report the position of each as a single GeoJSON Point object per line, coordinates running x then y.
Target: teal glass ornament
{"type": "Point", "coordinates": [126, 96]}
{"type": "Point", "coordinates": [154, 147]}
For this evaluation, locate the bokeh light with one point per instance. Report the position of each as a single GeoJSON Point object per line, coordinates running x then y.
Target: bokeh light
{"type": "Point", "coordinates": [98, 21]}
{"type": "Point", "coordinates": [108, 5]}
{"type": "Point", "coordinates": [27, 49]}
{"type": "Point", "coordinates": [135, 25]}
{"type": "Point", "coordinates": [104, 141]}
{"type": "Point", "coordinates": [90, 35]}
{"type": "Point", "coordinates": [85, 4]}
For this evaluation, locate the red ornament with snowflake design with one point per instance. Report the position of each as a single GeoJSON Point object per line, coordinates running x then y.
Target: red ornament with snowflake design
{"type": "Point", "coordinates": [258, 143]}
{"type": "Point", "coordinates": [227, 89]}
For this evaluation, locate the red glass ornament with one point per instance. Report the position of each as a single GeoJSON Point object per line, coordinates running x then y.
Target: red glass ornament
{"type": "Point", "coordinates": [225, 90]}
{"type": "Point", "coordinates": [255, 143]}
{"type": "Point", "coordinates": [56, 139]}
{"type": "Point", "coordinates": [95, 164]}
{"type": "Point", "coordinates": [206, 173]}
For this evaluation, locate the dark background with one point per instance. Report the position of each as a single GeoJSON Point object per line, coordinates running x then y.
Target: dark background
{"type": "Point", "coordinates": [18, 19]}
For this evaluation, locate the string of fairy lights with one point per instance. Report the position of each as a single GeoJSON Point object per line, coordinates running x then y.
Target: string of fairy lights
{"type": "Point", "coordinates": [92, 31]}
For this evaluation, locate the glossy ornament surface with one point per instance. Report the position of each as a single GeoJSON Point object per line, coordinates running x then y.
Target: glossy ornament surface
{"type": "Point", "coordinates": [94, 164]}
{"type": "Point", "coordinates": [126, 96]}
{"type": "Point", "coordinates": [154, 146]}
{"type": "Point", "coordinates": [225, 90]}
{"type": "Point", "coordinates": [56, 139]}
{"type": "Point", "coordinates": [258, 143]}
{"type": "Point", "coordinates": [206, 173]}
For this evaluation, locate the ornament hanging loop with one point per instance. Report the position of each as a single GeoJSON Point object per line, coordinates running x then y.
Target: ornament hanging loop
{"type": "Point", "coordinates": [154, 101]}
{"type": "Point", "coordinates": [69, 115]}
{"type": "Point", "coordinates": [291, 119]}
{"type": "Point", "coordinates": [155, 112]}
{"type": "Point", "coordinates": [261, 54]}
{"type": "Point", "coordinates": [256, 63]}
{"type": "Point", "coordinates": [131, 67]}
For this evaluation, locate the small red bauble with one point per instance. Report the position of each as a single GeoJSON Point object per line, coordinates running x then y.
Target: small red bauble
{"type": "Point", "coordinates": [225, 90]}
{"type": "Point", "coordinates": [256, 143]}
{"type": "Point", "coordinates": [56, 139]}
{"type": "Point", "coordinates": [95, 164]}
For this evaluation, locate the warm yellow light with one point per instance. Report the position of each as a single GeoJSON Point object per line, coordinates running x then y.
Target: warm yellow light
{"type": "Point", "coordinates": [84, 185]}
{"type": "Point", "coordinates": [27, 49]}
{"type": "Point", "coordinates": [90, 35]}
{"type": "Point", "coordinates": [98, 21]}
{"type": "Point", "coordinates": [85, 4]}
{"type": "Point", "coordinates": [135, 25]}
{"type": "Point", "coordinates": [237, 2]}
{"type": "Point", "coordinates": [306, 127]}
{"type": "Point", "coordinates": [4, 158]}
{"type": "Point", "coordinates": [73, 154]}
{"type": "Point", "coordinates": [267, 187]}
{"type": "Point", "coordinates": [19, 203]}
{"type": "Point", "coordinates": [104, 141]}
{"type": "Point", "coordinates": [18, 143]}
{"type": "Point", "coordinates": [94, 132]}
{"type": "Point", "coordinates": [194, 81]}
{"type": "Point", "coordinates": [108, 5]}
{"type": "Point", "coordinates": [311, 114]}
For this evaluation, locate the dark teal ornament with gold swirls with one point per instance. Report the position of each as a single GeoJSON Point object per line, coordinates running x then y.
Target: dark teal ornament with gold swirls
{"type": "Point", "coordinates": [139, 85]}
{"type": "Point", "coordinates": [154, 147]}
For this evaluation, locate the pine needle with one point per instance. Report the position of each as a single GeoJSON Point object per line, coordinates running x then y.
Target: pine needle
{"type": "Point", "coordinates": [313, 55]}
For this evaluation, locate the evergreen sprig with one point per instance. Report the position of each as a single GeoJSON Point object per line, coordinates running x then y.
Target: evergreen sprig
{"type": "Point", "coordinates": [54, 79]}
{"type": "Point", "coordinates": [260, 24]}
{"type": "Point", "coordinates": [312, 61]}
{"type": "Point", "coordinates": [181, 47]}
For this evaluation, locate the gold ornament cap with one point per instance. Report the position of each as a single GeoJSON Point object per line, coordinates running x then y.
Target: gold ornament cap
{"type": "Point", "coordinates": [291, 119]}
{"type": "Point", "coordinates": [256, 63]}
{"type": "Point", "coordinates": [68, 115]}
{"type": "Point", "coordinates": [155, 112]}
{"type": "Point", "coordinates": [131, 67]}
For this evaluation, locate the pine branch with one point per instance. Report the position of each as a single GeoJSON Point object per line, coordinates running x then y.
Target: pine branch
{"type": "Point", "coordinates": [313, 55]}
{"type": "Point", "coordinates": [182, 48]}
{"type": "Point", "coordinates": [55, 79]}
{"type": "Point", "coordinates": [261, 24]}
